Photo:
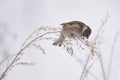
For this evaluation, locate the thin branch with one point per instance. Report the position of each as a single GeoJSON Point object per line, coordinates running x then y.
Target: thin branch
{"type": "Point", "coordinates": [13, 61]}
{"type": "Point", "coordinates": [102, 67]}
{"type": "Point", "coordinates": [93, 47]}
{"type": "Point", "coordinates": [85, 68]}
{"type": "Point", "coordinates": [91, 74]}
{"type": "Point", "coordinates": [112, 53]}
{"type": "Point", "coordinates": [104, 21]}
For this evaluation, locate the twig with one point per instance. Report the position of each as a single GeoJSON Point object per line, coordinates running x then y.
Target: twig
{"type": "Point", "coordinates": [102, 67]}
{"type": "Point", "coordinates": [112, 53]}
{"type": "Point", "coordinates": [91, 74]}
{"type": "Point", "coordinates": [104, 21]}
{"type": "Point", "coordinates": [92, 46]}
{"type": "Point", "coordinates": [13, 61]}
{"type": "Point", "coordinates": [85, 68]}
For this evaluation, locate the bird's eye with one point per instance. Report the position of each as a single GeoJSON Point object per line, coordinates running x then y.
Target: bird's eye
{"type": "Point", "coordinates": [85, 35]}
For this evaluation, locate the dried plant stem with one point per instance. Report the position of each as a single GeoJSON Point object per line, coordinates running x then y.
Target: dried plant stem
{"type": "Point", "coordinates": [111, 54]}
{"type": "Point", "coordinates": [91, 74]}
{"type": "Point", "coordinates": [104, 21]}
{"type": "Point", "coordinates": [102, 67]}
{"type": "Point", "coordinates": [15, 58]}
{"type": "Point", "coordinates": [85, 68]}
{"type": "Point", "coordinates": [92, 46]}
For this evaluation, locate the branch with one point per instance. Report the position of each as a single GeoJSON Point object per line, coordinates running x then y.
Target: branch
{"type": "Point", "coordinates": [112, 53]}
{"type": "Point", "coordinates": [20, 52]}
{"type": "Point", "coordinates": [93, 47]}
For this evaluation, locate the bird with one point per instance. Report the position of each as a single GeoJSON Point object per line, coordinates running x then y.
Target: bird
{"type": "Point", "coordinates": [73, 29]}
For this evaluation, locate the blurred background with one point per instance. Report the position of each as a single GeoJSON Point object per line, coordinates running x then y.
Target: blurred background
{"type": "Point", "coordinates": [19, 18]}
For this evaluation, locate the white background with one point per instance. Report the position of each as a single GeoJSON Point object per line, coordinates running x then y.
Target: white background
{"type": "Point", "coordinates": [22, 17]}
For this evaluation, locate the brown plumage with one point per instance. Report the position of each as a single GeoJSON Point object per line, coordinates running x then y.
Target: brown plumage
{"type": "Point", "coordinates": [73, 29]}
